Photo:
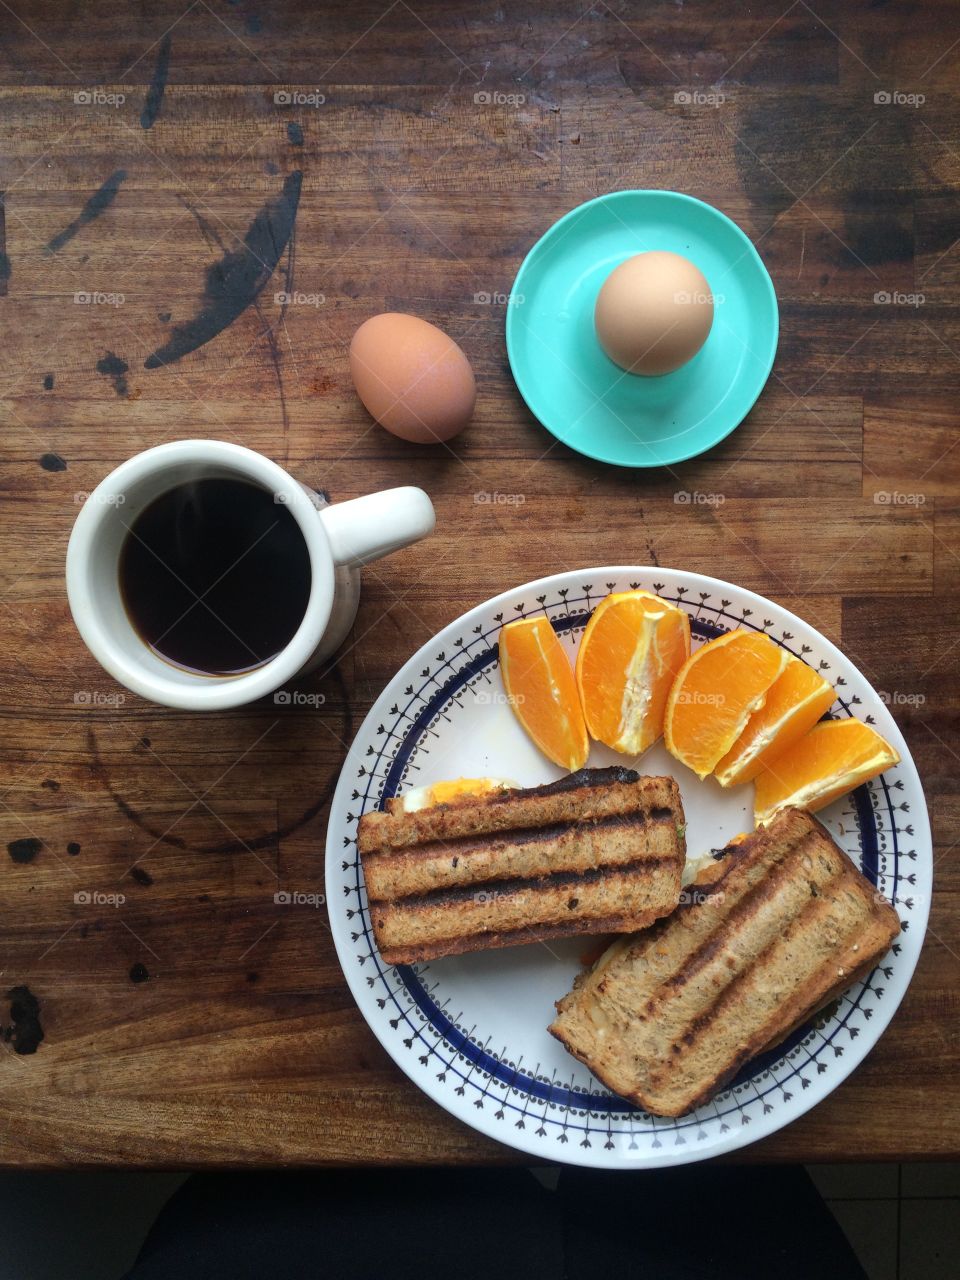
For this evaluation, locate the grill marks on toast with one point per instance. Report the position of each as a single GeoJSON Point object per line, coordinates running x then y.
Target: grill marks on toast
{"type": "Point", "coordinates": [514, 938]}
{"type": "Point", "coordinates": [559, 879]}
{"type": "Point", "coordinates": [769, 1003]}
{"type": "Point", "coordinates": [677, 954]}
{"type": "Point", "coordinates": [600, 853]}
{"type": "Point", "coordinates": [667, 1018]}
{"type": "Point", "coordinates": [617, 840]}
{"type": "Point", "coordinates": [587, 794]}
{"type": "Point", "coordinates": [632, 894]}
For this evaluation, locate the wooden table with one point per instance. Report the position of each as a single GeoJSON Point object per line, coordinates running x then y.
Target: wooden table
{"type": "Point", "coordinates": [197, 1023]}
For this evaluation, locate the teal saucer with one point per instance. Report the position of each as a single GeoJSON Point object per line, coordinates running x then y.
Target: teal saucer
{"type": "Point", "coordinates": [576, 390]}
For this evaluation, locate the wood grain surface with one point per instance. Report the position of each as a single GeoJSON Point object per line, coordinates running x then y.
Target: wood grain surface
{"type": "Point", "coordinates": [197, 1023]}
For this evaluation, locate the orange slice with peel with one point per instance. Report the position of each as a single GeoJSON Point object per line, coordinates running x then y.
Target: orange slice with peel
{"type": "Point", "coordinates": [830, 760]}
{"type": "Point", "coordinates": [715, 693]}
{"type": "Point", "coordinates": [542, 691]}
{"type": "Point", "coordinates": [796, 701]}
{"type": "Point", "coordinates": [631, 651]}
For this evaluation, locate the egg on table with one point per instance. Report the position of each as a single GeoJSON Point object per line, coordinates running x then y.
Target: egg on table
{"type": "Point", "coordinates": [654, 313]}
{"type": "Point", "coordinates": [412, 378]}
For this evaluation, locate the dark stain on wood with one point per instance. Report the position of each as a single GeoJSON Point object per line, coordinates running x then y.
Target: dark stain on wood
{"type": "Point", "coordinates": [101, 199]}
{"type": "Point", "coordinates": [138, 973]}
{"type": "Point", "coordinates": [25, 849]}
{"type": "Point", "coordinates": [50, 784]}
{"type": "Point", "coordinates": [207, 229]}
{"type": "Point", "coordinates": [154, 99]}
{"type": "Point", "coordinates": [141, 875]}
{"type": "Point", "coordinates": [235, 282]}
{"type": "Point", "coordinates": [274, 346]}
{"type": "Point", "coordinates": [878, 227]}
{"type": "Point", "coordinates": [100, 773]}
{"type": "Point", "coordinates": [53, 462]}
{"type": "Point", "coordinates": [266, 839]}
{"type": "Point", "coordinates": [114, 368]}
{"type": "Point", "coordinates": [48, 382]}
{"type": "Point", "coordinates": [73, 848]}
{"type": "Point", "coordinates": [295, 133]}
{"type": "Point", "coordinates": [25, 1030]}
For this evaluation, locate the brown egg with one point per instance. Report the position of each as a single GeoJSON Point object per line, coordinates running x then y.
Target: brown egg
{"type": "Point", "coordinates": [412, 378]}
{"type": "Point", "coordinates": [654, 313]}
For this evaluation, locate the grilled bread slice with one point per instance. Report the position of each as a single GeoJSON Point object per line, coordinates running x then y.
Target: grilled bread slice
{"type": "Point", "coordinates": [600, 851]}
{"type": "Point", "coordinates": [784, 925]}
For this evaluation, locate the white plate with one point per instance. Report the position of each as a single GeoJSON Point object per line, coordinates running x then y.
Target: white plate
{"type": "Point", "coordinates": [471, 1030]}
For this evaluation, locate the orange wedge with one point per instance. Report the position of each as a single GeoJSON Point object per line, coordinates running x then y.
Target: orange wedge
{"type": "Point", "coordinates": [830, 760]}
{"type": "Point", "coordinates": [630, 653]}
{"type": "Point", "coordinates": [542, 690]}
{"type": "Point", "coordinates": [716, 692]}
{"type": "Point", "coordinates": [796, 701]}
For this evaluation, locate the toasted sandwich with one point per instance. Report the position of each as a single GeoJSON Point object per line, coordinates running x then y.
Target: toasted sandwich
{"type": "Point", "coordinates": [600, 851]}
{"type": "Point", "coordinates": [782, 924]}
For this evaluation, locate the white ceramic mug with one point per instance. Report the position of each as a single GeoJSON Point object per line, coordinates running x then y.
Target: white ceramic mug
{"type": "Point", "coordinates": [339, 539]}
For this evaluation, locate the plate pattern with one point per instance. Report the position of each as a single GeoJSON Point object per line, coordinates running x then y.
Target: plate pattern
{"type": "Point", "coordinates": [569, 1115]}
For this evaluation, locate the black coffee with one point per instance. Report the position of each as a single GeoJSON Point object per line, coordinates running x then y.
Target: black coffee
{"type": "Point", "coordinates": [215, 576]}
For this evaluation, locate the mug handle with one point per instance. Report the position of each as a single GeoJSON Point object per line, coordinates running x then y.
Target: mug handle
{"type": "Point", "coordinates": [364, 529]}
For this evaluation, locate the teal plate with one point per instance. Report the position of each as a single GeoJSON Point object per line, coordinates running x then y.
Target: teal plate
{"type": "Point", "coordinates": [576, 390]}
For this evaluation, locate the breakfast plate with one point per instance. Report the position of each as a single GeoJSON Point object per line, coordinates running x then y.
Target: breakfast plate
{"type": "Point", "coordinates": [572, 386]}
{"type": "Point", "coordinates": [471, 1030]}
